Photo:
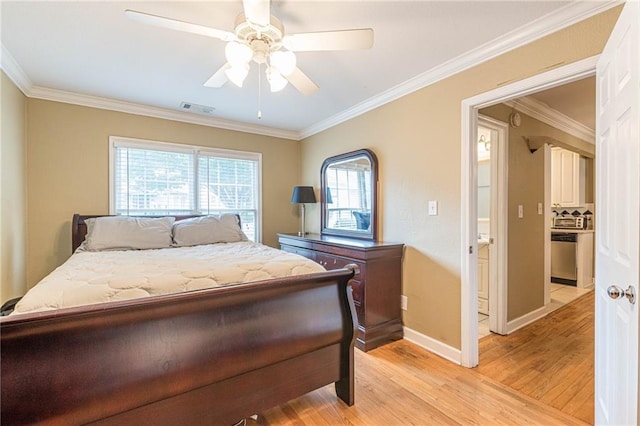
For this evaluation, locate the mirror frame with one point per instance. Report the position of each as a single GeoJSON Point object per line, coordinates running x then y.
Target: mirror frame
{"type": "Point", "coordinates": [373, 234]}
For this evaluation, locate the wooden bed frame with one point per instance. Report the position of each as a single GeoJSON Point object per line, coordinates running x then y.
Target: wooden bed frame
{"type": "Point", "coordinates": [212, 356]}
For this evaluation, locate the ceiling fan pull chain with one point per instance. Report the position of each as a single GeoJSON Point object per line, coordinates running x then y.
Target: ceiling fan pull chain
{"type": "Point", "coordinates": [259, 91]}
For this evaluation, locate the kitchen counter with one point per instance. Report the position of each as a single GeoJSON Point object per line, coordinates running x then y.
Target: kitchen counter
{"type": "Point", "coordinates": [572, 231]}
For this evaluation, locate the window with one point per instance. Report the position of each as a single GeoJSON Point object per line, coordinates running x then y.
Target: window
{"type": "Point", "coordinates": [156, 178]}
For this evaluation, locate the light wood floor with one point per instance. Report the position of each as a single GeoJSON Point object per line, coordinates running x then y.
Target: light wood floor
{"type": "Point", "coordinates": [402, 384]}
{"type": "Point", "coordinates": [550, 360]}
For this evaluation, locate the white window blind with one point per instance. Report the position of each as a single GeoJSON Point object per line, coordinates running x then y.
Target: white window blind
{"type": "Point", "coordinates": [228, 184]}
{"type": "Point", "coordinates": [155, 178]}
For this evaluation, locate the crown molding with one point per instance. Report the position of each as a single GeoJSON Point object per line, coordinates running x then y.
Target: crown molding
{"type": "Point", "coordinates": [14, 71]}
{"type": "Point", "coordinates": [554, 118]}
{"type": "Point", "coordinates": [566, 16]}
{"type": "Point", "coordinates": [543, 26]}
{"type": "Point", "coordinates": [22, 81]}
{"type": "Point", "coordinates": [149, 111]}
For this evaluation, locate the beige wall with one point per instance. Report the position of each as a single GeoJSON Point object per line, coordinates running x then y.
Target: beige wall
{"type": "Point", "coordinates": [12, 191]}
{"type": "Point", "coordinates": [417, 141]}
{"type": "Point", "coordinates": [68, 161]}
{"type": "Point", "coordinates": [525, 281]}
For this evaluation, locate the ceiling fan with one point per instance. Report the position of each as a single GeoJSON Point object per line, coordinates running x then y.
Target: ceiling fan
{"type": "Point", "coordinates": [259, 36]}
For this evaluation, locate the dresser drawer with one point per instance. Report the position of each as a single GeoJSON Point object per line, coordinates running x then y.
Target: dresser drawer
{"type": "Point", "coordinates": [309, 254]}
{"type": "Point", "coordinates": [335, 262]}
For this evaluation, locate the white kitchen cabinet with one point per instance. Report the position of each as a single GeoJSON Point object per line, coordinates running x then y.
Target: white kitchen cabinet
{"type": "Point", "coordinates": [483, 279]}
{"type": "Point", "coordinates": [567, 178]}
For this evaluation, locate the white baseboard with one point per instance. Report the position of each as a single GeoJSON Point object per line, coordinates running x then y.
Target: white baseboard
{"type": "Point", "coordinates": [532, 316]}
{"type": "Point", "coordinates": [432, 345]}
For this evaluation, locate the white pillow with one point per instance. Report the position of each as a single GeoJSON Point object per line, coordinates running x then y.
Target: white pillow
{"type": "Point", "coordinates": [208, 230]}
{"type": "Point", "coordinates": [128, 233]}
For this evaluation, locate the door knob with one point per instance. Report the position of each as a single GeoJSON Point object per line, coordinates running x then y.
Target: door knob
{"type": "Point", "coordinates": [616, 292]}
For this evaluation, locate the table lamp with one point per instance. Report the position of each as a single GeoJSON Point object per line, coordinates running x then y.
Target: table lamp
{"type": "Point", "coordinates": [302, 195]}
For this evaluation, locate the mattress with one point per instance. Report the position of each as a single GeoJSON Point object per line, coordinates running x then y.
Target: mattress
{"type": "Point", "coordinates": [98, 277]}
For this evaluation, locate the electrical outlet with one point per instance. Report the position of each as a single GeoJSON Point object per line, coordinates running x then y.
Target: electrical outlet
{"type": "Point", "coordinates": [403, 302]}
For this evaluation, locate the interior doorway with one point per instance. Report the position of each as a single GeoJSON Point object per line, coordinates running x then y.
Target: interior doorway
{"type": "Point", "coordinates": [492, 157]}
{"type": "Point", "coordinates": [544, 342]}
{"type": "Point", "coordinates": [471, 106]}
{"type": "Point", "coordinates": [616, 331]}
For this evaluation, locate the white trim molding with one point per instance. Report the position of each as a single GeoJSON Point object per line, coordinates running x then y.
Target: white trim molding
{"type": "Point", "coordinates": [498, 249]}
{"type": "Point", "coordinates": [22, 81]}
{"type": "Point", "coordinates": [532, 316]}
{"type": "Point", "coordinates": [546, 114]}
{"type": "Point", "coordinates": [14, 71]}
{"type": "Point", "coordinates": [432, 345]}
{"type": "Point", "coordinates": [470, 106]}
{"type": "Point", "coordinates": [149, 111]}
{"type": "Point", "coordinates": [568, 15]}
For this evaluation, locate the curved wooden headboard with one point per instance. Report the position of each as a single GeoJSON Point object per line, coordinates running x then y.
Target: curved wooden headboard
{"type": "Point", "coordinates": [79, 228]}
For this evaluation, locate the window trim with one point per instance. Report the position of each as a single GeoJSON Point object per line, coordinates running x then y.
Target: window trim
{"type": "Point", "coordinates": [120, 141]}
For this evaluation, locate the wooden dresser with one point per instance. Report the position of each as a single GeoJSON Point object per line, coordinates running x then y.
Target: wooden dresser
{"type": "Point", "coordinates": [376, 288]}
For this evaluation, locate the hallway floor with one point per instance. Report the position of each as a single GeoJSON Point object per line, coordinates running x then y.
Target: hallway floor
{"type": "Point", "coordinates": [560, 295]}
{"type": "Point", "coordinates": [550, 360]}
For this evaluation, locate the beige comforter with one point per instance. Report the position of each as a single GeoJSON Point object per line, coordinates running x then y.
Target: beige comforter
{"type": "Point", "coordinates": [96, 277]}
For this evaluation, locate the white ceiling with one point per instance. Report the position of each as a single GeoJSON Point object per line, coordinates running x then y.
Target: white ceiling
{"type": "Point", "coordinates": [576, 100]}
{"type": "Point", "coordinates": [90, 48]}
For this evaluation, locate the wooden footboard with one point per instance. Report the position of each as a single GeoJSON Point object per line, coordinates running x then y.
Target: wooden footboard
{"type": "Point", "coordinates": [204, 357]}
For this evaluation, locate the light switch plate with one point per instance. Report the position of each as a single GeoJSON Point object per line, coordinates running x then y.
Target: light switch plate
{"type": "Point", "coordinates": [520, 211]}
{"type": "Point", "coordinates": [539, 208]}
{"type": "Point", "coordinates": [433, 208]}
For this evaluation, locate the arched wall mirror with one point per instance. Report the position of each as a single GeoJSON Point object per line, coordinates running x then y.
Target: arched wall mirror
{"type": "Point", "coordinates": [348, 195]}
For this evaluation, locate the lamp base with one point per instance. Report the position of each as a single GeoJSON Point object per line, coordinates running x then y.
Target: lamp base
{"type": "Point", "coordinates": [303, 232]}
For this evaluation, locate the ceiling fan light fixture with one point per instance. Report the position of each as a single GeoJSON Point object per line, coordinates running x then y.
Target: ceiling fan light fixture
{"type": "Point", "coordinates": [276, 81]}
{"type": "Point", "coordinates": [284, 61]}
{"type": "Point", "coordinates": [237, 73]}
{"type": "Point", "coordinates": [238, 53]}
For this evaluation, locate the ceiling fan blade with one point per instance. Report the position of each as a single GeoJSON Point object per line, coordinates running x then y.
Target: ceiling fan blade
{"type": "Point", "coordinates": [330, 40]}
{"type": "Point", "coordinates": [174, 24]}
{"type": "Point", "coordinates": [219, 78]}
{"type": "Point", "coordinates": [257, 12]}
{"type": "Point", "coordinates": [302, 82]}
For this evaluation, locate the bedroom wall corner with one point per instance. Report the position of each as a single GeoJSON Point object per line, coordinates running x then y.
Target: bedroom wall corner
{"type": "Point", "coordinates": [13, 208]}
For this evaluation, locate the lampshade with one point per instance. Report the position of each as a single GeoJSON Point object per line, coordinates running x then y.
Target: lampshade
{"type": "Point", "coordinates": [303, 194]}
{"type": "Point", "coordinates": [238, 53]}
{"type": "Point", "coordinates": [276, 81]}
{"type": "Point", "coordinates": [283, 61]}
{"type": "Point", "coordinates": [237, 74]}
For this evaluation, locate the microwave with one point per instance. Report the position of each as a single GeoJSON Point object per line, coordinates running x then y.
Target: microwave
{"type": "Point", "coordinates": [569, 222]}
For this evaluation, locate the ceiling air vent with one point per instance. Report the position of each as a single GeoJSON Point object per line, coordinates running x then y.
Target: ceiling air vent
{"type": "Point", "coordinates": [198, 109]}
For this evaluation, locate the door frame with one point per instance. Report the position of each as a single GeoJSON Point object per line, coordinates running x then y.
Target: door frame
{"type": "Point", "coordinates": [469, 181]}
{"type": "Point", "coordinates": [498, 222]}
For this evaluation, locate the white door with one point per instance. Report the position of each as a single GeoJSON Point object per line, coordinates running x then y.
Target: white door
{"type": "Point", "coordinates": [617, 222]}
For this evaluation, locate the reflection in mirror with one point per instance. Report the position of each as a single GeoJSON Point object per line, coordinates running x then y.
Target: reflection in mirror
{"type": "Point", "coordinates": [349, 189]}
